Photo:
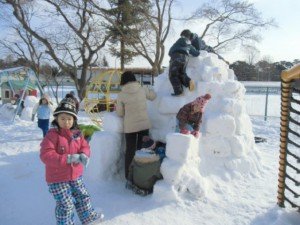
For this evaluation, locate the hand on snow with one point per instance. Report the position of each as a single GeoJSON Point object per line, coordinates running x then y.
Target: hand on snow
{"type": "Point", "coordinates": [73, 159]}
{"type": "Point", "coordinates": [84, 159]}
{"type": "Point", "coordinates": [195, 133]}
{"type": "Point", "coordinates": [184, 131]}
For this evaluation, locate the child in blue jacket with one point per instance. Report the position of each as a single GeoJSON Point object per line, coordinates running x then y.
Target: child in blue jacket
{"type": "Point", "coordinates": [43, 109]}
{"type": "Point", "coordinates": [179, 54]}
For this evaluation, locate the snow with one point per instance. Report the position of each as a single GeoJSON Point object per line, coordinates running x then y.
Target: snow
{"type": "Point", "coordinates": [222, 178]}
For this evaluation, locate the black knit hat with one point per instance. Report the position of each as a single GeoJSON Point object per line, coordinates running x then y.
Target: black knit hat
{"type": "Point", "coordinates": [147, 142]}
{"type": "Point", "coordinates": [67, 105]}
{"type": "Point", "coordinates": [126, 77]}
{"type": "Point", "coordinates": [186, 33]}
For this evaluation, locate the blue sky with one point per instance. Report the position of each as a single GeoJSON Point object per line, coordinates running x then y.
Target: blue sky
{"type": "Point", "coordinates": [281, 43]}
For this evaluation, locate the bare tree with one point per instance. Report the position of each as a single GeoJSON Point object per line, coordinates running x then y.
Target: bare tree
{"type": "Point", "coordinates": [152, 33]}
{"type": "Point", "coordinates": [151, 42]}
{"type": "Point", "coordinates": [22, 45]}
{"type": "Point", "coordinates": [71, 35]}
{"type": "Point", "coordinates": [251, 54]}
{"type": "Point", "coordinates": [230, 22]}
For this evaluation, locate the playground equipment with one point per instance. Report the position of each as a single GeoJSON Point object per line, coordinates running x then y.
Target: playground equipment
{"type": "Point", "coordinates": [101, 95]}
{"type": "Point", "coordinates": [289, 163]}
{"type": "Point", "coordinates": [18, 80]}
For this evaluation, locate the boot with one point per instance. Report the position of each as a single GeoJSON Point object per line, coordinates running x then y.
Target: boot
{"type": "Point", "coordinates": [177, 94]}
{"type": "Point", "coordinates": [178, 91]}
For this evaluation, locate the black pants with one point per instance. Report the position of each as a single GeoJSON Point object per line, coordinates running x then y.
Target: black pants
{"type": "Point", "coordinates": [177, 72]}
{"type": "Point", "coordinates": [133, 142]}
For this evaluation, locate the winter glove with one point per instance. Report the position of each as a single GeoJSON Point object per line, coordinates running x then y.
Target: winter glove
{"type": "Point", "coordinates": [195, 133]}
{"type": "Point", "coordinates": [73, 159]}
{"type": "Point", "coordinates": [32, 117]}
{"type": "Point", "coordinates": [84, 159]}
{"type": "Point", "coordinates": [184, 131]}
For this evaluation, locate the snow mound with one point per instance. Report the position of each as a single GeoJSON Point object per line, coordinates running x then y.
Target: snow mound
{"type": "Point", "coordinates": [224, 151]}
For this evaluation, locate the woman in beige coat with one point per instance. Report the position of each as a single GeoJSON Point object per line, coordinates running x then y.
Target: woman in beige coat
{"type": "Point", "coordinates": [132, 106]}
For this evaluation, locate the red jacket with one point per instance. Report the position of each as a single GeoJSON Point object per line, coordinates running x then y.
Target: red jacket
{"type": "Point", "coordinates": [55, 148]}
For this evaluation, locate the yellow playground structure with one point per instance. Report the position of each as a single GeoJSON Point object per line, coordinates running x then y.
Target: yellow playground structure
{"type": "Point", "coordinates": [289, 162]}
{"type": "Point", "coordinates": [101, 95]}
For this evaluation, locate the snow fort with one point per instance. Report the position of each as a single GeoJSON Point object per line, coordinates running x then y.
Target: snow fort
{"type": "Point", "coordinates": [226, 147]}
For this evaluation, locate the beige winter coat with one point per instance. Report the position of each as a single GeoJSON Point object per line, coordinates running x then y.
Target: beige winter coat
{"type": "Point", "coordinates": [132, 105]}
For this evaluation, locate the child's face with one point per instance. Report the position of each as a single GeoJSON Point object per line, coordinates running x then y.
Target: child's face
{"type": "Point", "coordinates": [44, 101]}
{"type": "Point", "coordinates": [65, 120]}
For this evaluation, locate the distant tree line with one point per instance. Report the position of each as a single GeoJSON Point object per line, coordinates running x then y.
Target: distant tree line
{"type": "Point", "coordinates": [262, 70]}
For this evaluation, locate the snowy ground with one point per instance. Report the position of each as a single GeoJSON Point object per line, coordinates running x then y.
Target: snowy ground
{"type": "Point", "coordinates": [223, 178]}
{"type": "Point", "coordinates": [25, 199]}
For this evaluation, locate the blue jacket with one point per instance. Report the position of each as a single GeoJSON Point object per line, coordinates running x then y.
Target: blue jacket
{"type": "Point", "coordinates": [43, 111]}
{"type": "Point", "coordinates": [198, 43]}
{"type": "Point", "coordinates": [183, 46]}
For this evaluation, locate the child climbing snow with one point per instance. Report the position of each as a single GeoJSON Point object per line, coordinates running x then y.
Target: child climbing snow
{"type": "Point", "coordinates": [179, 53]}
{"type": "Point", "coordinates": [189, 117]}
{"type": "Point", "coordinates": [64, 151]}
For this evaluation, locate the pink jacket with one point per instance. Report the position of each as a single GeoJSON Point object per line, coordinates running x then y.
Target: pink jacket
{"type": "Point", "coordinates": [55, 148]}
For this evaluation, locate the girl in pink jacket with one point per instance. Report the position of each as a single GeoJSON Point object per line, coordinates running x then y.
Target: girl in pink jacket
{"type": "Point", "coordinates": [64, 151]}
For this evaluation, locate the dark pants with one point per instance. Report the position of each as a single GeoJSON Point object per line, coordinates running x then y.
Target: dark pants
{"type": "Point", "coordinates": [44, 125]}
{"type": "Point", "coordinates": [177, 72]}
{"type": "Point", "coordinates": [133, 142]}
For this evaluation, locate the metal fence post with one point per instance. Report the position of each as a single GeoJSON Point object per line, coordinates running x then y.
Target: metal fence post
{"type": "Point", "coordinates": [266, 105]}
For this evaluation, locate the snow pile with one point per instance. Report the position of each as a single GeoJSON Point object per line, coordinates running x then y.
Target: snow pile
{"type": "Point", "coordinates": [226, 144]}
{"type": "Point", "coordinates": [8, 109]}
{"type": "Point", "coordinates": [106, 163]}
{"type": "Point", "coordinates": [180, 169]}
{"type": "Point", "coordinates": [29, 103]}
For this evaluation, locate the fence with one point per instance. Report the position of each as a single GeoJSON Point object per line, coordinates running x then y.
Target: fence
{"type": "Point", "coordinates": [262, 99]}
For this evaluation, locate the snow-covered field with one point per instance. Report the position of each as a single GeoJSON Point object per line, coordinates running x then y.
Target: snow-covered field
{"type": "Point", "coordinates": [25, 199]}
{"type": "Point", "coordinates": [223, 178]}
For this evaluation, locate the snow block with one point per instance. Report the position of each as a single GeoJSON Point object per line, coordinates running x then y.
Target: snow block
{"type": "Point", "coordinates": [171, 170]}
{"type": "Point", "coordinates": [216, 146]}
{"type": "Point", "coordinates": [213, 125]}
{"type": "Point", "coordinates": [232, 106]}
{"type": "Point", "coordinates": [238, 146]}
{"type": "Point", "coordinates": [104, 163]}
{"type": "Point", "coordinates": [177, 140]}
{"type": "Point", "coordinates": [170, 104]}
{"type": "Point", "coordinates": [234, 89]}
{"type": "Point", "coordinates": [116, 126]}
{"type": "Point", "coordinates": [164, 192]}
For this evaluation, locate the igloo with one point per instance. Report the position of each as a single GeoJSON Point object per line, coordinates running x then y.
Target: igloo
{"type": "Point", "coordinates": [226, 145]}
